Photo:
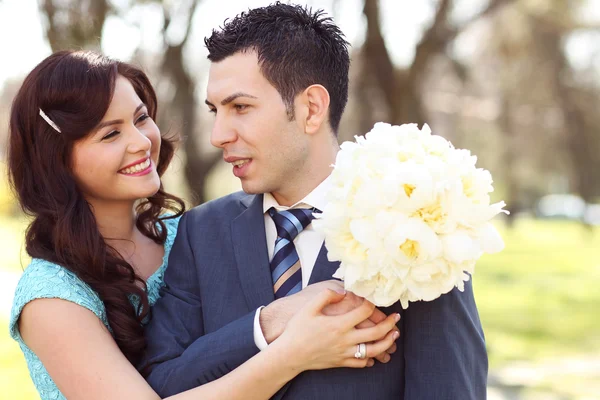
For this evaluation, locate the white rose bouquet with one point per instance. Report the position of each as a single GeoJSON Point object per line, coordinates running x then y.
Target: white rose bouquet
{"type": "Point", "coordinates": [408, 215]}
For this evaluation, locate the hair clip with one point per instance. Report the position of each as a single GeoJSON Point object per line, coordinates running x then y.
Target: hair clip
{"type": "Point", "coordinates": [49, 121]}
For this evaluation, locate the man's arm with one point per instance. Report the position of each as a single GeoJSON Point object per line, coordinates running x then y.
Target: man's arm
{"type": "Point", "coordinates": [444, 349]}
{"type": "Point", "coordinates": [179, 355]}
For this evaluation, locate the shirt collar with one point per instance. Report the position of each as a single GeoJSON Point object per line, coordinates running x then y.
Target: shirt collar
{"type": "Point", "coordinates": [317, 198]}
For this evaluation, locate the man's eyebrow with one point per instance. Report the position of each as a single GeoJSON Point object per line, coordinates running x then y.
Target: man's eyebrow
{"type": "Point", "coordinates": [231, 98]}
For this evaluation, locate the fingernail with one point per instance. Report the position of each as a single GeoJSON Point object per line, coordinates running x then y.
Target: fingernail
{"type": "Point", "coordinates": [370, 363]}
{"type": "Point", "coordinates": [397, 317]}
{"type": "Point", "coordinates": [341, 291]}
{"type": "Point", "coordinates": [396, 335]}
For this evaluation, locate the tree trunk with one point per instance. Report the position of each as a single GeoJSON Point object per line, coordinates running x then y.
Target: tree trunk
{"type": "Point", "coordinates": [509, 159]}
{"type": "Point", "coordinates": [576, 129]}
{"type": "Point", "coordinates": [75, 24]}
{"type": "Point", "coordinates": [402, 90]}
{"type": "Point", "coordinates": [184, 106]}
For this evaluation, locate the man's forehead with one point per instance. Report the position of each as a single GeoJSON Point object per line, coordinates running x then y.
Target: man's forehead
{"type": "Point", "coordinates": [225, 82]}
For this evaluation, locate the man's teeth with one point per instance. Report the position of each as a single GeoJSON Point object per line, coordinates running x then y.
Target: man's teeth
{"type": "Point", "coordinates": [137, 168]}
{"type": "Point", "coordinates": [239, 163]}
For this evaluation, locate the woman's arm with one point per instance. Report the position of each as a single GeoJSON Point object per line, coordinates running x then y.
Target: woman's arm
{"type": "Point", "coordinates": [82, 358]}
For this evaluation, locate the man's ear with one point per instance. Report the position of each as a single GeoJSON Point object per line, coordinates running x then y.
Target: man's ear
{"type": "Point", "coordinates": [316, 99]}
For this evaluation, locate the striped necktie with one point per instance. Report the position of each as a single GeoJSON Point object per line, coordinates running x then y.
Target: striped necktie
{"type": "Point", "coordinates": [285, 265]}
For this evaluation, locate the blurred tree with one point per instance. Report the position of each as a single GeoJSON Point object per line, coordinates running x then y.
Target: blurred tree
{"type": "Point", "coordinates": [541, 124]}
{"type": "Point", "coordinates": [184, 105]}
{"type": "Point", "coordinates": [552, 110]}
{"type": "Point", "coordinates": [545, 116]}
{"type": "Point", "coordinates": [75, 24]}
{"type": "Point", "coordinates": [401, 88]}
{"type": "Point", "coordinates": [578, 104]}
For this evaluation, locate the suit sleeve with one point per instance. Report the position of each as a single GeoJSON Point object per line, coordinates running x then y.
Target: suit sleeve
{"type": "Point", "coordinates": [444, 349]}
{"type": "Point", "coordinates": [179, 354]}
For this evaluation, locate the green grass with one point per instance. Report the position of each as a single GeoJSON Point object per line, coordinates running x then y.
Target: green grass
{"type": "Point", "coordinates": [14, 377]}
{"type": "Point", "coordinates": [537, 299]}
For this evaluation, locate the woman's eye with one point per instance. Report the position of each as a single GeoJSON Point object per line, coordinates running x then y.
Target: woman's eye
{"type": "Point", "coordinates": [110, 135]}
{"type": "Point", "coordinates": [240, 107]}
{"type": "Point", "coordinates": [142, 118]}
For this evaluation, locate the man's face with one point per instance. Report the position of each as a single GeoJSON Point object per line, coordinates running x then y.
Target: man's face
{"type": "Point", "coordinates": [252, 127]}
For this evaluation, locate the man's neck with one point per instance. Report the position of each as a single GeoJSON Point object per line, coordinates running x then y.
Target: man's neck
{"type": "Point", "coordinates": [300, 191]}
{"type": "Point", "coordinates": [318, 168]}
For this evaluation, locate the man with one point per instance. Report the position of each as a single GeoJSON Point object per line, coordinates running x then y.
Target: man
{"type": "Point", "coordinates": [278, 86]}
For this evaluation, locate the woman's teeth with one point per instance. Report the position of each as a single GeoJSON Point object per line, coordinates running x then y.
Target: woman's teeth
{"type": "Point", "coordinates": [239, 163]}
{"type": "Point", "coordinates": [136, 168]}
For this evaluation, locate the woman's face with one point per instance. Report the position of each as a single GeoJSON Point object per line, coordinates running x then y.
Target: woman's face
{"type": "Point", "coordinates": [117, 161]}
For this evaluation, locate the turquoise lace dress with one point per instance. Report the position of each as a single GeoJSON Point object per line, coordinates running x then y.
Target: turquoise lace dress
{"type": "Point", "coordinates": [43, 279]}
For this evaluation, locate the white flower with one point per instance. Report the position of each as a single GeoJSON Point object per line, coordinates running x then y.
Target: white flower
{"type": "Point", "coordinates": [408, 215]}
{"type": "Point", "coordinates": [489, 239]}
{"type": "Point", "coordinates": [460, 246]}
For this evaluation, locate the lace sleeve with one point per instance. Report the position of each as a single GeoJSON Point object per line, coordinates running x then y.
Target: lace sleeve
{"type": "Point", "coordinates": [42, 280]}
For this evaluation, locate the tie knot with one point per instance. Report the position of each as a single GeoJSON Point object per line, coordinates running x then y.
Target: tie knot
{"type": "Point", "coordinates": [290, 223]}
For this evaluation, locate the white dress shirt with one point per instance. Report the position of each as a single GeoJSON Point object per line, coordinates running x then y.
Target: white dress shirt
{"type": "Point", "coordinates": [308, 243]}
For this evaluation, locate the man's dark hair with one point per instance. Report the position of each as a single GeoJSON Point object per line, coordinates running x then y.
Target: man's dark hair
{"type": "Point", "coordinates": [296, 48]}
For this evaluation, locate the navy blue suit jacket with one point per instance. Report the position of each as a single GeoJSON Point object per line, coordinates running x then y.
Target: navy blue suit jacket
{"type": "Point", "coordinates": [218, 275]}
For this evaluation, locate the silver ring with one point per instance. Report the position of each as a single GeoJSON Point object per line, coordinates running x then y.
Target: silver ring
{"type": "Point", "coordinates": [361, 351]}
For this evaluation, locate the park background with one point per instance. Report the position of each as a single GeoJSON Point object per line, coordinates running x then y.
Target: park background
{"type": "Point", "coordinates": [515, 81]}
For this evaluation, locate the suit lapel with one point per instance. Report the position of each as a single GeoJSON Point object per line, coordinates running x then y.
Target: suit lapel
{"type": "Point", "coordinates": [323, 269]}
{"type": "Point", "coordinates": [250, 248]}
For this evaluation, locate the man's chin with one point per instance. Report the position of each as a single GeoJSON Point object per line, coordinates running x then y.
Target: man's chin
{"type": "Point", "coordinates": [250, 189]}
{"type": "Point", "coordinates": [254, 188]}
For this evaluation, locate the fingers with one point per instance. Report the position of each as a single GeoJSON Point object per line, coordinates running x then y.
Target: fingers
{"type": "Point", "coordinates": [379, 340]}
{"type": "Point", "coordinates": [330, 284]}
{"type": "Point", "coordinates": [376, 332]}
{"type": "Point", "coordinates": [323, 299]}
{"type": "Point", "coordinates": [367, 323]}
{"type": "Point", "coordinates": [350, 302]}
{"type": "Point", "coordinates": [380, 346]}
{"type": "Point", "coordinates": [392, 349]}
{"type": "Point", "coordinates": [334, 283]}
{"type": "Point", "coordinates": [377, 316]}
{"type": "Point", "coordinates": [376, 350]}
{"type": "Point", "coordinates": [358, 363]}
{"type": "Point", "coordinates": [357, 315]}
{"type": "Point", "coordinates": [383, 357]}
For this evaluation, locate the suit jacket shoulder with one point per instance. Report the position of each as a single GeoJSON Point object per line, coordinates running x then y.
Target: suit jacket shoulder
{"type": "Point", "coordinates": [221, 210]}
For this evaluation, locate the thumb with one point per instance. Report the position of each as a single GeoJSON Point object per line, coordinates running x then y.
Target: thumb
{"type": "Point", "coordinates": [324, 298]}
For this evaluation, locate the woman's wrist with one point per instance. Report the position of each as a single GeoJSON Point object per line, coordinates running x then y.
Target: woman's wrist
{"type": "Point", "coordinates": [286, 358]}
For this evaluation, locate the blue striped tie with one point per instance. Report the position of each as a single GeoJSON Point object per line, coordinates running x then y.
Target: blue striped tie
{"type": "Point", "coordinates": [285, 265]}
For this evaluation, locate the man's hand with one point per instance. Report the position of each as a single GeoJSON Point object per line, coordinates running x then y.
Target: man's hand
{"type": "Point", "coordinates": [274, 317]}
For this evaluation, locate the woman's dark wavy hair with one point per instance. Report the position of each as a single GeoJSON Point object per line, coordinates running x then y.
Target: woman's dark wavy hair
{"type": "Point", "coordinates": [75, 88]}
{"type": "Point", "coordinates": [296, 48]}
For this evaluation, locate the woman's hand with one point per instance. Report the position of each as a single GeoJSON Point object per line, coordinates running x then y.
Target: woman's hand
{"type": "Point", "coordinates": [314, 340]}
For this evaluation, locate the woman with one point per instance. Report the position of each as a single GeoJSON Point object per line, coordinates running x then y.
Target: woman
{"type": "Point", "coordinates": [85, 160]}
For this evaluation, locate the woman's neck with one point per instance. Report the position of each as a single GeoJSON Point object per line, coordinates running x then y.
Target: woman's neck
{"type": "Point", "coordinates": [116, 221]}
{"type": "Point", "coordinates": [117, 225]}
